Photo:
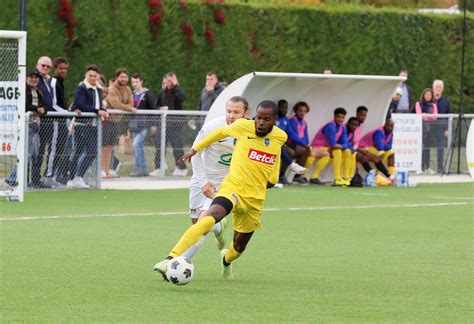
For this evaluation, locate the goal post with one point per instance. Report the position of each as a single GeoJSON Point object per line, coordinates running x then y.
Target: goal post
{"type": "Point", "coordinates": [13, 157]}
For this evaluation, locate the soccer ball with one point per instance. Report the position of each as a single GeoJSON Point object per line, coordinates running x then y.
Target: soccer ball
{"type": "Point", "coordinates": [180, 271]}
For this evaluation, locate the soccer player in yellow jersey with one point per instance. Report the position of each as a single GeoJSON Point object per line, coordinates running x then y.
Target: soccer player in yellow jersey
{"type": "Point", "coordinates": [254, 167]}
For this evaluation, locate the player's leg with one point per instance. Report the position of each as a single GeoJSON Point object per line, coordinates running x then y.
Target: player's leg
{"type": "Point", "coordinates": [323, 157]}
{"type": "Point", "coordinates": [337, 162]}
{"type": "Point", "coordinates": [236, 248]}
{"type": "Point", "coordinates": [220, 207]}
{"type": "Point", "coordinates": [347, 160]}
{"type": "Point", "coordinates": [389, 160]}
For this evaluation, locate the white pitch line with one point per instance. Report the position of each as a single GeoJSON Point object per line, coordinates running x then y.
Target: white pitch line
{"type": "Point", "coordinates": [453, 198]}
{"type": "Point", "coordinates": [265, 210]}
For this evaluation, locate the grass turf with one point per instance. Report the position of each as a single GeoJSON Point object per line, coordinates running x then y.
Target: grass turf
{"type": "Point", "coordinates": [344, 263]}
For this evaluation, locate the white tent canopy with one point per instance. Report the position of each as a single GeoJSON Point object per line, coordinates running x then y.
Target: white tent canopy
{"type": "Point", "coordinates": [323, 93]}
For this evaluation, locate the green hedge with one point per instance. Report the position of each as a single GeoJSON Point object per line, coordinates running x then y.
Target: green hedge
{"type": "Point", "coordinates": [351, 40]}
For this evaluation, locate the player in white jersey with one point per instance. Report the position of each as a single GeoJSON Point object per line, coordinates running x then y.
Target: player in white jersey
{"type": "Point", "coordinates": [210, 167]}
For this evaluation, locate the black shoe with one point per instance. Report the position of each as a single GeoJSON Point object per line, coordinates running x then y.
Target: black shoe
{"type": "Point", "coordinates": [315, 181]}
{"type": "Point", "coordinates": [301, 180]}
{"type": "Point", "coordinates": [11, 183]}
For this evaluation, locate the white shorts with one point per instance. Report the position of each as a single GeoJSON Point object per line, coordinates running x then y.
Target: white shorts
{"type": "Point", "coordinates": [197, 201]}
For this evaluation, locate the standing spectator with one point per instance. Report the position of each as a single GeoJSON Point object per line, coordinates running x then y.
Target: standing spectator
{"type": "Point", "coordinates": [441, 127]}
{"type": "Point", "coordinates": [171, 97]}
{"type": "Point", "coordinates": [43, 66]}
{"type": "Point", "coordinates": [298, 139]}
{"type": "Point", "coordinates": [34, 104]}
{"type": "Point", "coordinates": [87, 98]}
{"type": "Point", "coordinates": [427, 105]}
{"type": "Point", "coordinates": [392, 108]}
{"type": "Point", "coordinates": [406, 101]}
{"type": "Point", "coordinates": [211, 91]}
{"type": "Point", "coordinates": [139, 124]}
{"type": "Point", "coordinates": [119, 97]}
{"type": "Point", "coordinates": [56, 172]}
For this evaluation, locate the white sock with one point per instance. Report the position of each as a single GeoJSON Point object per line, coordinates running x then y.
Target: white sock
{"type": "Point", "coordinates": [217, 228]}
{"type": "Point", "coordinates": [189, 253]}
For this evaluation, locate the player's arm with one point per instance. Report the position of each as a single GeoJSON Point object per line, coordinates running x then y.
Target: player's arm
{"type": "Point", "coordinates": [379, 141]}
{"type": "Point", "coordinates": [214, 136]}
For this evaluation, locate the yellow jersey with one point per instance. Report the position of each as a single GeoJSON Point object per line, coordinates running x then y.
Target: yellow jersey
{"type": "Point", "coordinates": [255, 160]}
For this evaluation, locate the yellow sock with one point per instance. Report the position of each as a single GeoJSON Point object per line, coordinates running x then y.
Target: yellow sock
{"type": "Point", "coordinates": [309, 162]}
{"type": "Point", "coordinates": [192, 235]}
{"type": "Point", "coordinates": [347, 164]}
{"type": "Point", "coordinates": [322, 162]}
{"type": "Point", "coordinates": [337, 161]}
{"type": "Point", "coordinates": [391, 170]}
{"type": "Point", "coordinates": [232, 254]}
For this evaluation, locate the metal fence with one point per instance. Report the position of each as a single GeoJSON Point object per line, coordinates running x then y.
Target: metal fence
{"type": "Point", "coordinates": [67, 151]}
{"type": "Point", "coordinates": [440, 145]}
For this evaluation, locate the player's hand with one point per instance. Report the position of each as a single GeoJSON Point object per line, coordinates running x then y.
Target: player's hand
{"type": "Point", "coordinates": [209, 190]}
{"type": "Point", "coordinates": [270, 185]}
{"type": "Point", "coordinates": [308, 148]}
{"type": "Point", "coordinates": [187, 157]}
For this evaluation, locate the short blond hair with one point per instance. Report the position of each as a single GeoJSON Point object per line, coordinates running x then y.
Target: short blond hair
{"type": "Point", "coordinates": [438, 82]}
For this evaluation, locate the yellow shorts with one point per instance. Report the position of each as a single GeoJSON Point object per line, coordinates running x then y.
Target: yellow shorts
{"type": "Point", "coordinates": [385, 154]}
{"type": "Point", "coordinates": [246, 211]}
{"type": "Point", "coordinates": [319, 152]}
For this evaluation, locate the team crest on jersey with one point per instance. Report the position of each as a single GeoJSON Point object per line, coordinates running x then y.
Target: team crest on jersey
{"type": "Point", "coordinates": [267, 141]}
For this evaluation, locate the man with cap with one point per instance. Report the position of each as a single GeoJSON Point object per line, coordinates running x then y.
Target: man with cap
{"type": "Point", "coordinates": [34, 104]}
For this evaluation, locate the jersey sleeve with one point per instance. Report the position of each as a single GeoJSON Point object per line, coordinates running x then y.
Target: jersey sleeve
{"type": "Point", "coordinates": [329, 132]}
{"type": "Point", "coordinates": [235, 130]}
{"type": "Point", "coordinates": [378, 141]}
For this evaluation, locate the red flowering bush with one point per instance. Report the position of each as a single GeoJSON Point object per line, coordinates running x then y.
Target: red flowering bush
{"type": "Point", "coordinates": [156, 11]}
{"type": "Point", "coordinates": [65, 13]}
{"type": "Point", "coordinates": [188, 33]}
{"type": "Point", "coordinates": [218, 16]}
{"type": "Point", "coordinates": [209, 35]}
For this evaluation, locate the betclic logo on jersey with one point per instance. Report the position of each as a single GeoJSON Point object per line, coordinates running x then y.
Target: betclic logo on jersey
{"type": "Point", "coordinates": [262, 157]}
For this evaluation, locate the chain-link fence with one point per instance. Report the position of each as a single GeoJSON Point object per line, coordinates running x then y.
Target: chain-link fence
{"type": "Point", "coordinates": [66, 151]}
{"type": "Point", "coordinates": [70, 152]}
{"type": "Point", "coordinates": [8, 111]}
{"type": "Point", "coordinates": [440, 143]}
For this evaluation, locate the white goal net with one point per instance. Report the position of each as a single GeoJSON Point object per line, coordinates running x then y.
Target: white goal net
{"type": "Point", "coordinates": [12, 114]}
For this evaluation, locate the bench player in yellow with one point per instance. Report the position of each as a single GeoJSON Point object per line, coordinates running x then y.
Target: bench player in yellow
{"type": "Point", "coordinates": [254, 167]}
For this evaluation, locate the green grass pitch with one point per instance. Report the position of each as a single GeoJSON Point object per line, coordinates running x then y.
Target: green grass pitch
{"type": "Point", "coordinates": [324, 254]}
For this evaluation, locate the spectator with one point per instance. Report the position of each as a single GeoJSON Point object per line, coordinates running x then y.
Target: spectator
{"type": "Point", "coordinates": [441, 127]}
{"type": "Point", "coordinates": [34, 104]}
{"type": "Point", "coordinates": [286, 159]}
{"type": "Point", "coordinates": [379, 143]}
{"type": "Point", "coordinates": [171, 97]}
{"type": "Point", "coordinates": [139, 124]}
{"type": "Point", "coordinates": [297, 145]}
{"type": "Point", "coordinates": [87, 98]}
{"type": "Point", "coordinates": [57, 168]}
{"type": "Point", "coordinates": [328, 144]}
{"type": "Point", "coordinates": [119, 97]}
{"type": "Point", "coordinates": [406, 100]}
{"type": "Point", "coordinates": [327, 71]}
{"type": "Point", "coordinates": [392, 108]}
{"type": "Point", "coordinates": [211, 91]}
{"type": "Point", "coordinates": [427, 105]}
{"type": "Point", "coordinates": [43, 67]}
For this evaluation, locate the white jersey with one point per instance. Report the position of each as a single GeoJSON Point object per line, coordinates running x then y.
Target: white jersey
{"type": "Point", "coordinates": [212, 163]}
